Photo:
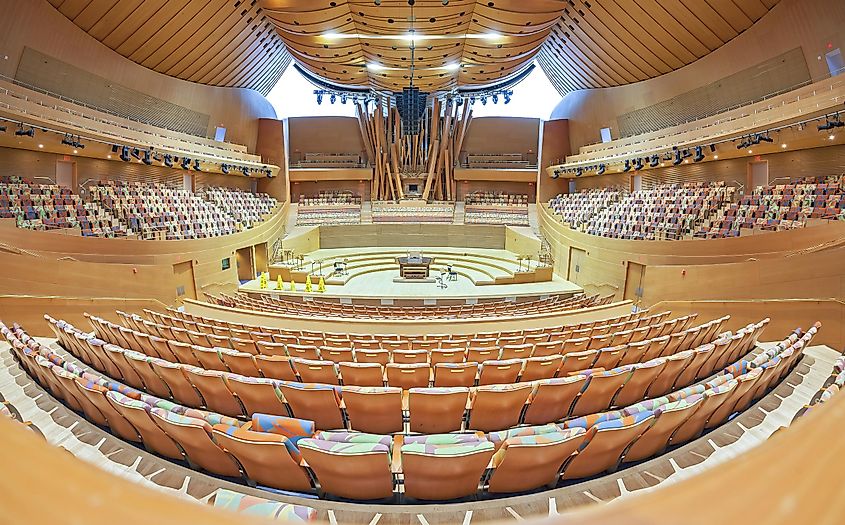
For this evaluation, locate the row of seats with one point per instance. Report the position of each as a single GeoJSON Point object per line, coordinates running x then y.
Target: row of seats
{"type": "Point", "coordinates": [488, 207]}
{"type": "Point", "coordinates": [285, 453]}
{"type": "Point", "coordinates": [329, 207]}
{"type": "Point", "coordinates": [498, 161]}
{"type": "Point", "coordinates": [384, 211]}
{"type": "Point", "coordinates": [832, 385]}
{"type": "Point", "coordinates": [188, 328]}
{"type": "Point", "coordinates": [490, 407]}
{"type": "Point", "coordinates": [120, 209]}
{"type": "Point", "coordinates": [281, 304]}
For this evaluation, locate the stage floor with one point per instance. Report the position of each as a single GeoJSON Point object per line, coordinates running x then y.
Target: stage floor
{"type": "Point", "coordinates": [372, 272]}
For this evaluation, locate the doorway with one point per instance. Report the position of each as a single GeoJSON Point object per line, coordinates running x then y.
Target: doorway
{"type": "Point", "coordinates": [246, 264]}
{"type": "Point", "coordinates": [634, 282]}
{"type": "Point", "coordinates": [184, 275]}
{"type": "Point", "coordinates": [757, 174]}
{"type": "Point", "coordinates": [577, 256]}
{"type": "Point", "coordinates": [66, 174]}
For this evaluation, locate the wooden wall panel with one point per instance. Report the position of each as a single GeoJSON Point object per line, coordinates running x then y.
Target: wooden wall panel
{"type": "Point", "coordinates": [324, 135]}
{"type": "Point", "coordinates": [502, 135]}
{"type": "Point", "coordinates": [807, 24]}
{"type": "Point", "coordinates": [310, 188]}
{"type": "Point", "coordinates": [554, 146]}
{"type": "Point", "coordinates": [518, 188]}
{"type": "Point", "coordinates": [413, 235]}
{"type": "Point", "coordinates": [38, 25]}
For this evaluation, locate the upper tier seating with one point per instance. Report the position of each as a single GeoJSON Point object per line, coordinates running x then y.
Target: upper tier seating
{"type": "Point", "coordinates": [384, 211]}
{"type": "Point", "coordinates": [487, 207]}
{"type": "Point", "coordinates": [329, 160]}
{"type": "Point", "coordinates": [329, 207]}
{"type": "Point", "coordinates": [780, 207]}
{"type": "Point", "coordinates": [286, 453]}
{"type": "Point", "coordinates": [118, 209]}
{"type": "Point", "coordinates": [280, 304]}
{"type": "Point", "coordinates": [498, 161]}
{"type": "Point", "coordinates": [668, 212]}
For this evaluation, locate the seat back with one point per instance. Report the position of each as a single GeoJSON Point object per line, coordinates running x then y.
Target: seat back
{"type": "Point", "coordinates": [609, 357]}
{"type": "Point", "coordinates": [379, 356]}
{"type": "Point", "coordinates": [194, 436]}
{"type": "Point", "coordinates": [600, 390]}
{"type": "Point", "coordinates": [496, 407]}
{"type": "Point", "coordinates": [500, 372]}
{"type": "Point", "coordinates": [358, 471]}
{"type": "Point", "coordinates": [217, 396]}
{"type": "Point", "coordinates": [407, 376]}
{"type": "Point", "coordinates": [318, 403]}
{"type": "Point", "coordinates": [451, 355]}
{"type": "Point", "coordinates": [530, 462]}
{"type": "Point", "coordinates": [310, 371]}
{"type": "Point", "coordinates": [335, 354]}
{"type": "Point", "coordinates": [455, 374]}
{"type": "Point", "coordinates": [406, 357]}
{"type": "Point", "coordinates": [179, 385]}
{"type": "Point", "coordinates": [377, 410]}
{"type": "Point", "coordinates": [643, 374]}
{"type": "Point", "coordinates": [437, 410]}
{"type": "Point", "coordinates": [675, 364]}
{"type": "Point", "coordinates": [257, 394]}
{"type": "Point", "coordinates": [275, 367]}
{"type": "Point", "coordinates": [152, 436]}
{"type": "Point", "coordinates": [362, 374]}
{"type": "Point", "coordinates": [552, 399]}
{"type": "Point", "coordinates": [481, 354]}
{"type": "Point", "coordinates": [540, 368]}
{"type": "Point", "coordinates": [668, 418]}
{"type": "Point", "coordinates": [603, 449]}
{"type": "Point", "coordinates": [444, 472]}
{"type": "Point", "coordinates": [576, 362]}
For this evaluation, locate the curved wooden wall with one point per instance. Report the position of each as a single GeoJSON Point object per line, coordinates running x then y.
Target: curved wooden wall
{"type": "Point", "coordinates": [808, 24]}
{"type": "Point", "coordinates": [798, 264]}
{"type": "Point", "coordinates": [38, 25]}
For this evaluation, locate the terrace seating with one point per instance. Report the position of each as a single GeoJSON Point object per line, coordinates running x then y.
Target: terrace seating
{"type": "Point", "coordinates": [433, 467]}
{"type": "Point", "coordinates": [119, 209]}
{"type": "Point", "coordinates": [384, 211]}
{"type": "Point", "coordinates": [496, 208]}
{"type": "Point", "coordinates": [329, 207]}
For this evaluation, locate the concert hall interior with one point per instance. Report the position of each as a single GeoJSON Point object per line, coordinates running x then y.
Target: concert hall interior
{"type": "Point", "coordinates": [422, 262]}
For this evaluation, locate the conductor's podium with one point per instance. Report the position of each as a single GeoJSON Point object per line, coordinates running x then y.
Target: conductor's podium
{"type": "Point", "coordinates": [414, 266]}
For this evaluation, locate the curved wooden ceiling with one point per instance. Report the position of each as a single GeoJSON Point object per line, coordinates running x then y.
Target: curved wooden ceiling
{"type": "Point", "coordinates": [602, 43]}
{"type": "Point", "coordinates": [465, 43]}
{"type": "Point", "coordinates": [217, 42]}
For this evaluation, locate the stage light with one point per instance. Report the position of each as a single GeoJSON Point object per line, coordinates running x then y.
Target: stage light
{"type": "Point", "coordinates": [831, 137]}
{"type": "Point", "coordinates": [655, 159]}
{"type": "Point", "coordinates": [333, 98]}
{"type": "Point", "coordinates": [186, 163]}
{"type": "Point", "coordinates": [783, 146]}
{"type": "Point", "coordinates": [677, 159]}
{"type": "Point", "coordinates": [445, 2]}
{"type": "Point", "coordinates": [377, 2]}
{"type": "Point", "coordinates": [507, 98]}
{"type": "Point", "coordinates": [224, 168]}
{"type": "Point", "coordinates": [41, 145]}
{"type": "Point", "coordinates": [716, 157]}
{"type": "Point", "coordinates": [168, 160]}
{"type": "Point", "coordinates": [579, 172]}
{"type": "Point", "coordinates": [627, 166]}
{"type": "Point", "coordinates": [2, 129]}
{"type": "Point", "coordinates": [712, 148]}
{"type": "Point", "coordinates": [136, 153]}
{"type": "Point", "coordinates": [319, 99]}
{"type": "Point", "coordinates": [124, 153]}
{"type": "Point", "coordinates": [245, 171]}
{"type": "Point", "coordinates": [766, 138]}
{"type": "Point", "coordinates": [687, 153]}
{"type": "Point", "coordinates": [343, 99]}
{"type": "Point", "coordinates": [20, 132]}
{"type": "Point", "coordinates": [601, 169]}
{"type": "Point", "coordinates": [66, 140]}
{"type": "Point", "coordinates": [699, 154]}
{"type": "Point", "coordinates": [495, 98]}
{"type": "Point", "coordinates": [147, 157]}
{"type": "Point", "coordinates": [638, 164]}
{"type": "Point", "coordinates": [483, 101]}
{"type": "Point", "coordinates": [556, 174]}
{"type": "Point", "coordinates": [197, 166]}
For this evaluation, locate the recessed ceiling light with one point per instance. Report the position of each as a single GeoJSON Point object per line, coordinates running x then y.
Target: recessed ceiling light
{"type": "Point", "coordinates": [41, 145]}
{"type": "Point", "coordinates": [662, 164]}
{"type": "Point", "coordinates": [75, 152]}
{"type": "Point", "coordinates": [715, 156]}
{"type": "Point", "coordinates": [372, 66]}
{"type": "Point", "coordinates": [749, 151]}
{"type": "Point", "coordinates": [108, 156]}
{"type": "Point", "coordinates": [452, 67]}
{"type": "Point", "coordinates": [686, 161]}
{"type": "Point", "coordinates": [783, 146]}
{"type": "Point", "coordinates": [831, 137]}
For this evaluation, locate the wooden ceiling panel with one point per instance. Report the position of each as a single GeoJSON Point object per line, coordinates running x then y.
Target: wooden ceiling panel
{"type": "Point", "coordinates": [465, 43]}
{"type": "Point", "coordinates": [217, 42]}
{"type": "Point", "coordinates": [602, 43]}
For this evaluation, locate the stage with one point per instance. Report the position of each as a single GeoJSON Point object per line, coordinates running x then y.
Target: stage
{"type": "Point", "coordinates": [371, 274]}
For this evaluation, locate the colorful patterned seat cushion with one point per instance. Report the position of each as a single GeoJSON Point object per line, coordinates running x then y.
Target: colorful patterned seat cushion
{"type": "Point", "coordinates": [840, 379]}
{"type": "Point", "coordinates": [375, 390]}
{"type": "Point", "coordinates": [828, 392]}
{"type": "Point", "coordinates": [353, 437]}
{"type": "Point", "coordinates": [344, 449]}
{"type": "Point", "coordinates": [440, 390]}
{"type": "Point", "coordinates": [648, 404]}
{"type": "Point", "coordinates": [593, 419]}
{"type": "Point", "coordinates": [443, 439]}
{"type": "Point", "coordinates": [549, 438]}
{"type": "Point", "coordinates": [292, 428]}
{"type": "Point", "coordinates": [127, 401]}
{"type": "Point", "coordinates": [738, 368]}
{"type": "Point", "coordinates": [179, 419]}
{"type": "Point", "coordinates": [502, 435]}
{"type": "Point", "coordinates": [680, 404]}
{"type": "Point", "coordinates": [624, 421]}
{"type": "Point", "coordinates": [724, 387]}
{"type": "Point", "coordinates": [563, 380]}
{"type": "Point", "coordinates": [686, 392]}
{"type": "Point", "coordinates": [251, 380]}
{"type": "Point", "coordinates": [462, 449]}
{"type": "Point", "coordinates": [213, 418]}
{"type": "Point", "coordinates": [263, 508]}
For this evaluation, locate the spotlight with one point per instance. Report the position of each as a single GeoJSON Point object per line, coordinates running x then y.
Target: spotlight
{"type": "Point", "coordinates": [79, 144]}
{"type": "Point", "coordinates": [579, 172]}
{"type": "Point", "coordinates": [766, 137]}
{"type": "Point", "coordinates": [445, 2]}
{"type": "Point", "coordinates": [66, 140]}
{"type": "Point", "coordinates": [377, 2]}
{"type": "Point", "coordinates": [654, 161]}
{"type": "Point", "coordinates": [147, 157]}
{"type": "Point", "coordinates": [319, 98]}
{"type": "Point", "coordinates": [343, 99]}
{"type": "Point", "coordinates": [556, 174]}
{"type": "Point", "coordinates": [2, 129]}
{"type": "Point", "coordinates": [224, 168]}
{"type": "Point", "coordinates": [483, 101]}
{"type": "Point", "coordinates": [245, 171]}
{"type": "Point", "coordinates": [186, 163]}
{"type": "Point", "coordinates": [687, 153]}
{"type": "Point", "coordinates": [197, 165]}
{"type": "Point", "coordinates": [638, 165]}
{"type": "Point", "coordinates": [627, 166]}
{"type": "Point", "coordinates": [699, 154]}
{"type": "Point", "coordinates": [495, 98]}
{"type": "Point", "coordinates": [712, 148]}
{"type": "Point", "coordinates": [601, 169]}
{"type": "Point", "coordinates": [677, 159]}
{"type": "Point", "coordinates": [124, 153]}
{"type": "Point", "coordinates": [168, 160]}
{"type": "Point", "coordinates": [114, 148]}
{"type": "Point", "coordinates": [136, 153]}
{"type": "Point", "coordinates": [20, 132]}
{"type": "Point", "coordinates": [333, 98]}
{"type": "Point", "coordinates": [507, 98]}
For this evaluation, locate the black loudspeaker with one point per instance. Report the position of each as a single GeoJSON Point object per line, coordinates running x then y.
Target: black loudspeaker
{"type": "Point", "coordinates": [411, 104]}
